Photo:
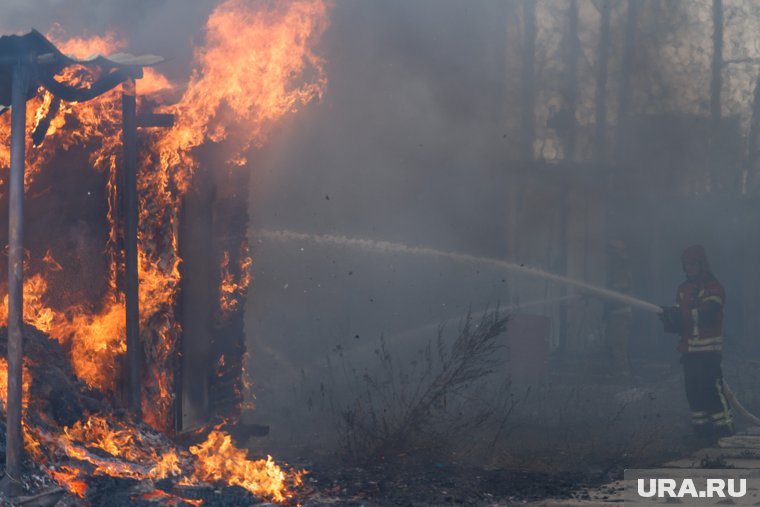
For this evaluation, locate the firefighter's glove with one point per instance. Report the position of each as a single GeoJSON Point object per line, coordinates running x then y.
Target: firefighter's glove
{"type": "Point", "coordinates": [671, 319]}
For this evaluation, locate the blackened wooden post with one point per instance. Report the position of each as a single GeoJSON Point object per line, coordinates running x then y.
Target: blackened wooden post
{"type": "Point", "coordinates": [131, 283]}
{"type": "Point", "coordinates": [15, 440]}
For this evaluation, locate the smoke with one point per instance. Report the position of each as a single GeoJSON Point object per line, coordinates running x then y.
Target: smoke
{"type": "Point", "coordinates": [417, 141]}
{"type": "Point", "coordinates": [404, 147]}
{"type": "Point", "coordinates": [415, 108]}
{"type": "Point", "coordinates": [166, 27]}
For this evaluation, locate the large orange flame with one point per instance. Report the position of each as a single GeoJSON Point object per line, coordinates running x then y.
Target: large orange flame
{"type": "Point", "coordinates": [257, 65]}
{"type": "Point", "coordinates": [219, 460]}
{"type": "Point", "coordinates": [250, 73]}
{"type": "Point", "coordinates": [234, 285]}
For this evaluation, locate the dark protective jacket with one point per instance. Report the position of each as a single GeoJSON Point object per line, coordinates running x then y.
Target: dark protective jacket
{"type": "Point", "coordinates": [700, 302]}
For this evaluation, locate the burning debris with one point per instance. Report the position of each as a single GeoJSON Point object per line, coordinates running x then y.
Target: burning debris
{"type": "Point", "coordinates": [79, 365]}
{"type": "Point", "coordinates": [80, 451]}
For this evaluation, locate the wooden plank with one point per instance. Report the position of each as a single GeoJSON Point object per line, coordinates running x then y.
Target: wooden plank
{"type": "Point", "coordinates": [745, 441]}
{"type": "Point", "coordinates": [44, 499]}
{"type": "Point", "coordinates": [683, 473]}
{"type": "Point", "coordinates": [134, 356]}
{"type": "Point", "coordinates": [729, 462]}
{"type": "Point", "coordinates": [196, 300]}
{"type": "Point", "coordinates": [684, 463]}
{"type": "Point", "coordinates": [743, 463]}
{"type": "Point", "coordinates": [726, 452]}
{"type": "Point", "coordinates": [155, 120]}
{"type": "Point", "coordinates": [14, 452]}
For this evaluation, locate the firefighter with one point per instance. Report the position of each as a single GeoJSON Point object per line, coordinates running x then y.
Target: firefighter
{"type": "Point", "coordinates": [698, 319]}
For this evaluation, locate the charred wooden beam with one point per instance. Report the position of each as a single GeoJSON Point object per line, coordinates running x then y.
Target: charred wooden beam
{"type": "Point", "coordinates": [41, 130]}
{"type": "Point", "coordinates": [155, 120]}
{"type": "Point", "coordinates": [45, 499]}
{"type": "Point", "coordinates": [196, 301]}
{"type": "Point", "coordinates": [131, 283]}
{"type": "Point", "coordinates": [131, 120]}
{"type": "Point", "coordinates": [14, 437]}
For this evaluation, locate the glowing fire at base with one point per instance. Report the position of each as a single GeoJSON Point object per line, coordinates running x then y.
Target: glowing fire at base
{"type": "Point", "coordinates": [220, 461]}
{"type": "Point", "coordinates": [125, 451]}
{"type": "Point", "coordinates": [67, 477]}
{"type": "Point", "coordinates": [256, 66]}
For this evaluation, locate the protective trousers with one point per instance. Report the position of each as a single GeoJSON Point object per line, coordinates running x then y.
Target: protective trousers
{"type": "Point", "coordinates": [710, 413]}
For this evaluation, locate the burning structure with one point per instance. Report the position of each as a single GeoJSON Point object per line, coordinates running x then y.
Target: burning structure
{"type": "Point", "coordinates": [135, 258]}
{"type": "Point", "coordinates": [458, 140]}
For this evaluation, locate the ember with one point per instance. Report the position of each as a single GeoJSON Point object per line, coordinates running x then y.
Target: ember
{"type": "Point", "coordinates": [233, 289]}
{"type": "Point", "coordinates": [66, 477]}
{"type": "Point", "coordinates": [220, 461]}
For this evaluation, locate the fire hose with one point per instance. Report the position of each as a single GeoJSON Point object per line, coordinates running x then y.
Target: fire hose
{"type": "Point", "coordinates": [663, 312]}
{"type": "Point", "coordinates": [670, 319]}
{"type": "Point", "coordinates": [740, 409]}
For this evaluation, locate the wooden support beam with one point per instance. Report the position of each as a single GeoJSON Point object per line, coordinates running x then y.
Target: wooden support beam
{"type": "Point", "coordinates": [155, 120]}
{"type": "Point", "coordinates": [131, 120]}
{"type": "Point", "coordinates": [14, 453]}
{"type": "Point", "coordinates": [198, 274]}
{"type": "Point", "coordinates": [131, 283]}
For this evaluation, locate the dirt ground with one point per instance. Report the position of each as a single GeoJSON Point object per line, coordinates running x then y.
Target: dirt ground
{"type": "Point", "coordinates": [421, 484]}
{"type": "Point", "coordinates": [565, 440]}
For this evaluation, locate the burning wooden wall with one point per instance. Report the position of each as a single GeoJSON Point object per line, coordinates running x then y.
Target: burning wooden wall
{"type": "Point", "coordinates": [257, 64]}
{"type": "Point", "coordinates": [216, 274]}
{"type": "Point", "coordinates": [195, 169]}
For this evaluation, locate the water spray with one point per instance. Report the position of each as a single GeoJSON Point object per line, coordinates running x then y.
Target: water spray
{"type": "Point", "coordinates": [417, 332]}
{"type": "Point", "coordinates": [475, 315]}
{"type": "Point", "coordinates": [390, 247]}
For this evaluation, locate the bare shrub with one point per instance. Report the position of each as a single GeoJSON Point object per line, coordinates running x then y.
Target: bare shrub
{"type": "Point", "coordinates": [430, 397]}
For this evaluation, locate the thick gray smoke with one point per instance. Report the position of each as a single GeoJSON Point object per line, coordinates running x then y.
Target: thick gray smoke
{"type": "Point", "coordinates": [417, 141]}
{"type": "Point", "coordinates": [408, 146]}
{"type": "Point", "coordinates": [165, 27]}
